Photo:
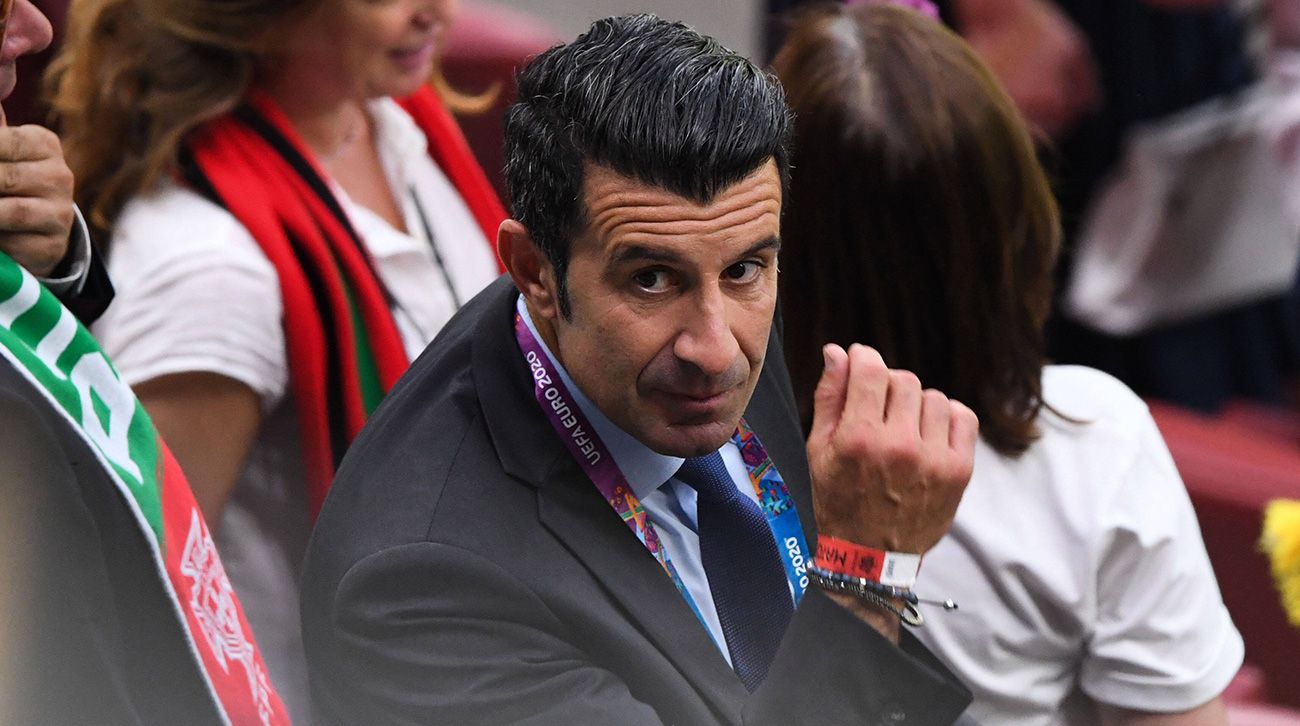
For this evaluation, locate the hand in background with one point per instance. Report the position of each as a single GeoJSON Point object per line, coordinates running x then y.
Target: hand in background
{"type": "Point", "coordinates": [1039, 56]}
{"type": "Point", "coordinates": [36, 213]}
{"type": "Point", "coordinates": [889, 461]}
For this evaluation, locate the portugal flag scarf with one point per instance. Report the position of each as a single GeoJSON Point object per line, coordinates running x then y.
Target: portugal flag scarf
{"type": "Point", "coordinates": [42, 341]}
{"type": "Point", "coordinates": [343, 347]}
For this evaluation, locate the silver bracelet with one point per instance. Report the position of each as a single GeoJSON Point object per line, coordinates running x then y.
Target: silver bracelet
{"type": "Point", "coordinates": [876, 593]}
{"type": "Point", "coordinates": [908, 613]}
{"type": "Point", "coordinates": [879, 588]}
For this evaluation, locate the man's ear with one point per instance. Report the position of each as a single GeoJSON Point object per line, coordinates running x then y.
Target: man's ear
{"type": "Point", "coordinates": [529, 268]}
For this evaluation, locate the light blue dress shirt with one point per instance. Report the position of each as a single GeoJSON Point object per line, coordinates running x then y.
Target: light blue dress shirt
{"type": "Point", "coordinates": [669, 503]}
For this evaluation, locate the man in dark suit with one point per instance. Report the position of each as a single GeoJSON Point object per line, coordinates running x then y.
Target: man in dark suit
{"type": "Point", "coordinates": [548, 521]}
{"type": "Point", "coordinates": [91, 628]}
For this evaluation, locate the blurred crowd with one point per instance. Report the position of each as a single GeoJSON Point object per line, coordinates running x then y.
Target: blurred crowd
{"type": "Point", "coordinates": [1166, 128]}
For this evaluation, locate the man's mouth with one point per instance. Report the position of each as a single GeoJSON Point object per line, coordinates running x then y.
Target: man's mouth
{"type": "Point", "coordinates": [696, 404]}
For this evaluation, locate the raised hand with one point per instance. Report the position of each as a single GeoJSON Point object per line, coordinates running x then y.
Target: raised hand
{"type": "Point", "coordinates": [889, 461]}
{"type": "Point", "coordinates": [36, 212]}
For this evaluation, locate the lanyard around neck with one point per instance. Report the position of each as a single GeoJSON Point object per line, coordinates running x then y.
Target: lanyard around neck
{"type": "Point", "coordinates": [590, 452]}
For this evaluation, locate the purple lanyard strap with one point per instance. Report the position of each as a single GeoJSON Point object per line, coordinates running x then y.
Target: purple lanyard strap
{"type": "Point", "coordinates": [591, 454]}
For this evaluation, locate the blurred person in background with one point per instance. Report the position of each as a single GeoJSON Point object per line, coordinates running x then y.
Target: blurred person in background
{"type": "Point", "coordinates": [920, 222]}
{"type": "Point", "coordinates": [1183, 278]}
{"type": "Point", "coordinates": [40, 227]}
{"type": "Point", "coordinates": [1156, 59]}
{"type": "Point", "coordinates": [285, 236]}
{"type": "Point", "coordinates": [1041, 57]}
{"type": "Point", "coordinates": [113, 606]}
{"type": "Point", "coordinates": [1086, 75]}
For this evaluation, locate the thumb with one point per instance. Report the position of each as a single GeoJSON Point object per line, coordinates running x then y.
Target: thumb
{"type": "Point", "coordinates": [828, 399]}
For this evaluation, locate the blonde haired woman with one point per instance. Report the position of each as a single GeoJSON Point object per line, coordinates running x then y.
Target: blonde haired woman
{"type": "Point", "coordinates": [285, 237]}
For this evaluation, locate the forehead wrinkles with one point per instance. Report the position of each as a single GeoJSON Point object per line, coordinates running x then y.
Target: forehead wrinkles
{"type": "Point", "coordinates": [618, 206]}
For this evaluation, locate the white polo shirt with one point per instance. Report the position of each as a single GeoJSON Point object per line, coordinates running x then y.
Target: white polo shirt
{"type": "Point", "coordinates": [1080, 571]}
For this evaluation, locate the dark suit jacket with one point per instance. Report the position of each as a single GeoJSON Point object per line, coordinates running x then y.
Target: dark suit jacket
{"type": "Point", "coordinates": [95, 294]}
{"type": "Point", "coordinates": [464, 570]}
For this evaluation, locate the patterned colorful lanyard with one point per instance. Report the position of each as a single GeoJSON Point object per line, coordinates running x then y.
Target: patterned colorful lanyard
{"type": "Point", "coordinates": [594, 458]}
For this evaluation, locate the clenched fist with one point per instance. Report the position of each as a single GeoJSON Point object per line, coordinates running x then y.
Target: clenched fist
{"type": "Point", "coordinates": [889, 461]}
{"type": "Point", "coordinates": [36, 212]}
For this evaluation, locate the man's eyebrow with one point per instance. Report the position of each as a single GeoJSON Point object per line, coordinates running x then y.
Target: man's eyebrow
{"type": "Point", "coordinates": [638, 253]}
{"type": "Point", "coordinates": [648, 254]}
{"type": "Point", "coordinates": [771, 243]}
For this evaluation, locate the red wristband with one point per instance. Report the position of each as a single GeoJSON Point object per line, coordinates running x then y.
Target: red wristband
{"type": "Point", "coordinates": [843, 557]}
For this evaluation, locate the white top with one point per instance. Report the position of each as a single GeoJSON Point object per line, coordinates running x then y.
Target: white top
{"type": "Point", "coordinates": [1079, 571]}
{"type": "Point", "coordinates": [195, 293]}
{"type": "Point", "coordinates": [670, 503]}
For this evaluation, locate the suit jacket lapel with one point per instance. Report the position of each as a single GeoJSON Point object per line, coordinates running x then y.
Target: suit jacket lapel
{"type": "Point", "coordinates": [580, 518]}
{"type": "Point", "coordinates": [570, 506]}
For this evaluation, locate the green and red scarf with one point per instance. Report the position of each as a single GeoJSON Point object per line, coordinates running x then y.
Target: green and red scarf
{"type": "Point", "coordinates": [343, 347]}
{"type": "Point", "coordinates": [53, 352]}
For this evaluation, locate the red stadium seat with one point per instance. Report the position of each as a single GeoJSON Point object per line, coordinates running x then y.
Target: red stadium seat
{"type": "Point", "coordinates": [1246, 687]}
{"type": "Point", "coordinates": [485, 46]}
{"type": "Point", "coordinates": [1261, 715]}
{"type": "Point", "coordinates": [1233, 465]}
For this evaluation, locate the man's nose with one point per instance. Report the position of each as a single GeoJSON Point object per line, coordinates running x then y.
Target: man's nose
{"type": "Point", "coordinates": [706, 340]}
{"type": "Point", "coordinates": [29, 30]}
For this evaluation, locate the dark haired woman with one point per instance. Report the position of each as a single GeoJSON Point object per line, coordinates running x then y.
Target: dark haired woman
{"type": "Point", "coordinates": [285, 237]}
{"type": "Point", "coordinates": [920, 223]}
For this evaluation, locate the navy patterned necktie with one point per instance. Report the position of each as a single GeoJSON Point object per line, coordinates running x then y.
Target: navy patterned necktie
{"type": "Point", "coordinates": [741, 561]}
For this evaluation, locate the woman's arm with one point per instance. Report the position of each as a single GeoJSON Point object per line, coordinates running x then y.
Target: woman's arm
{"type": "Point", "coordinates": [209, 422]}
{"type": "Point", "coordinates": [1208, 714]}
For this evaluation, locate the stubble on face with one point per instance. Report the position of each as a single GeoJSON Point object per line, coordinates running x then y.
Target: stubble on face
{"type": "Point", "coordinates": [672, 304]}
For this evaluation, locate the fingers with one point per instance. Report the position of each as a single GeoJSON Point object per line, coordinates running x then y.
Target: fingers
{"type": "Point", "coordinates": [903, 400]}
{"type": "Point", "coordinates": [949, 430]}
{"type": "Point", "coordinates": [963, 431]}
{"type": "Point", "coordinates": [936, 423]}
{"type": "Point", "coordinates": [828, 398]}
{"type": "Point", "coordinates": [35, 232]}
{"type": "Point", "coordinates": [862, 399]}
{"type": "Point", "coordinates": [26, 215]}
{"type": "Point", "coordinates": [36, 212]}
{"type": "Point", "coordinates": [28, 143]}
{"type": "Point", "coordinates": [49, 178]}
{"type": "Point", "coordinates": [39, 254]}
{"type": "Point", "coordinates": [868, 388]}
{"type": "Point", "coordinates": [889, 461]}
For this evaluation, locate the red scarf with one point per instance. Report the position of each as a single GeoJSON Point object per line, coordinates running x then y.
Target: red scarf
{"type": "Point", "coordinates": [343, 347]}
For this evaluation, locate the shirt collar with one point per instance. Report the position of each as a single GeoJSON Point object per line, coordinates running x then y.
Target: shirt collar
{"type": "Point", "coordinates": [398, 137]}
{"type": "Point", "coordinates": [645, 469]}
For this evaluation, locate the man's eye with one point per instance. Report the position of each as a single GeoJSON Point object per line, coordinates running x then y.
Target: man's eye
{"type": "Point", "coordinates": [652, 280]}
{"type": "Point", "coordinates": [742, 271]}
